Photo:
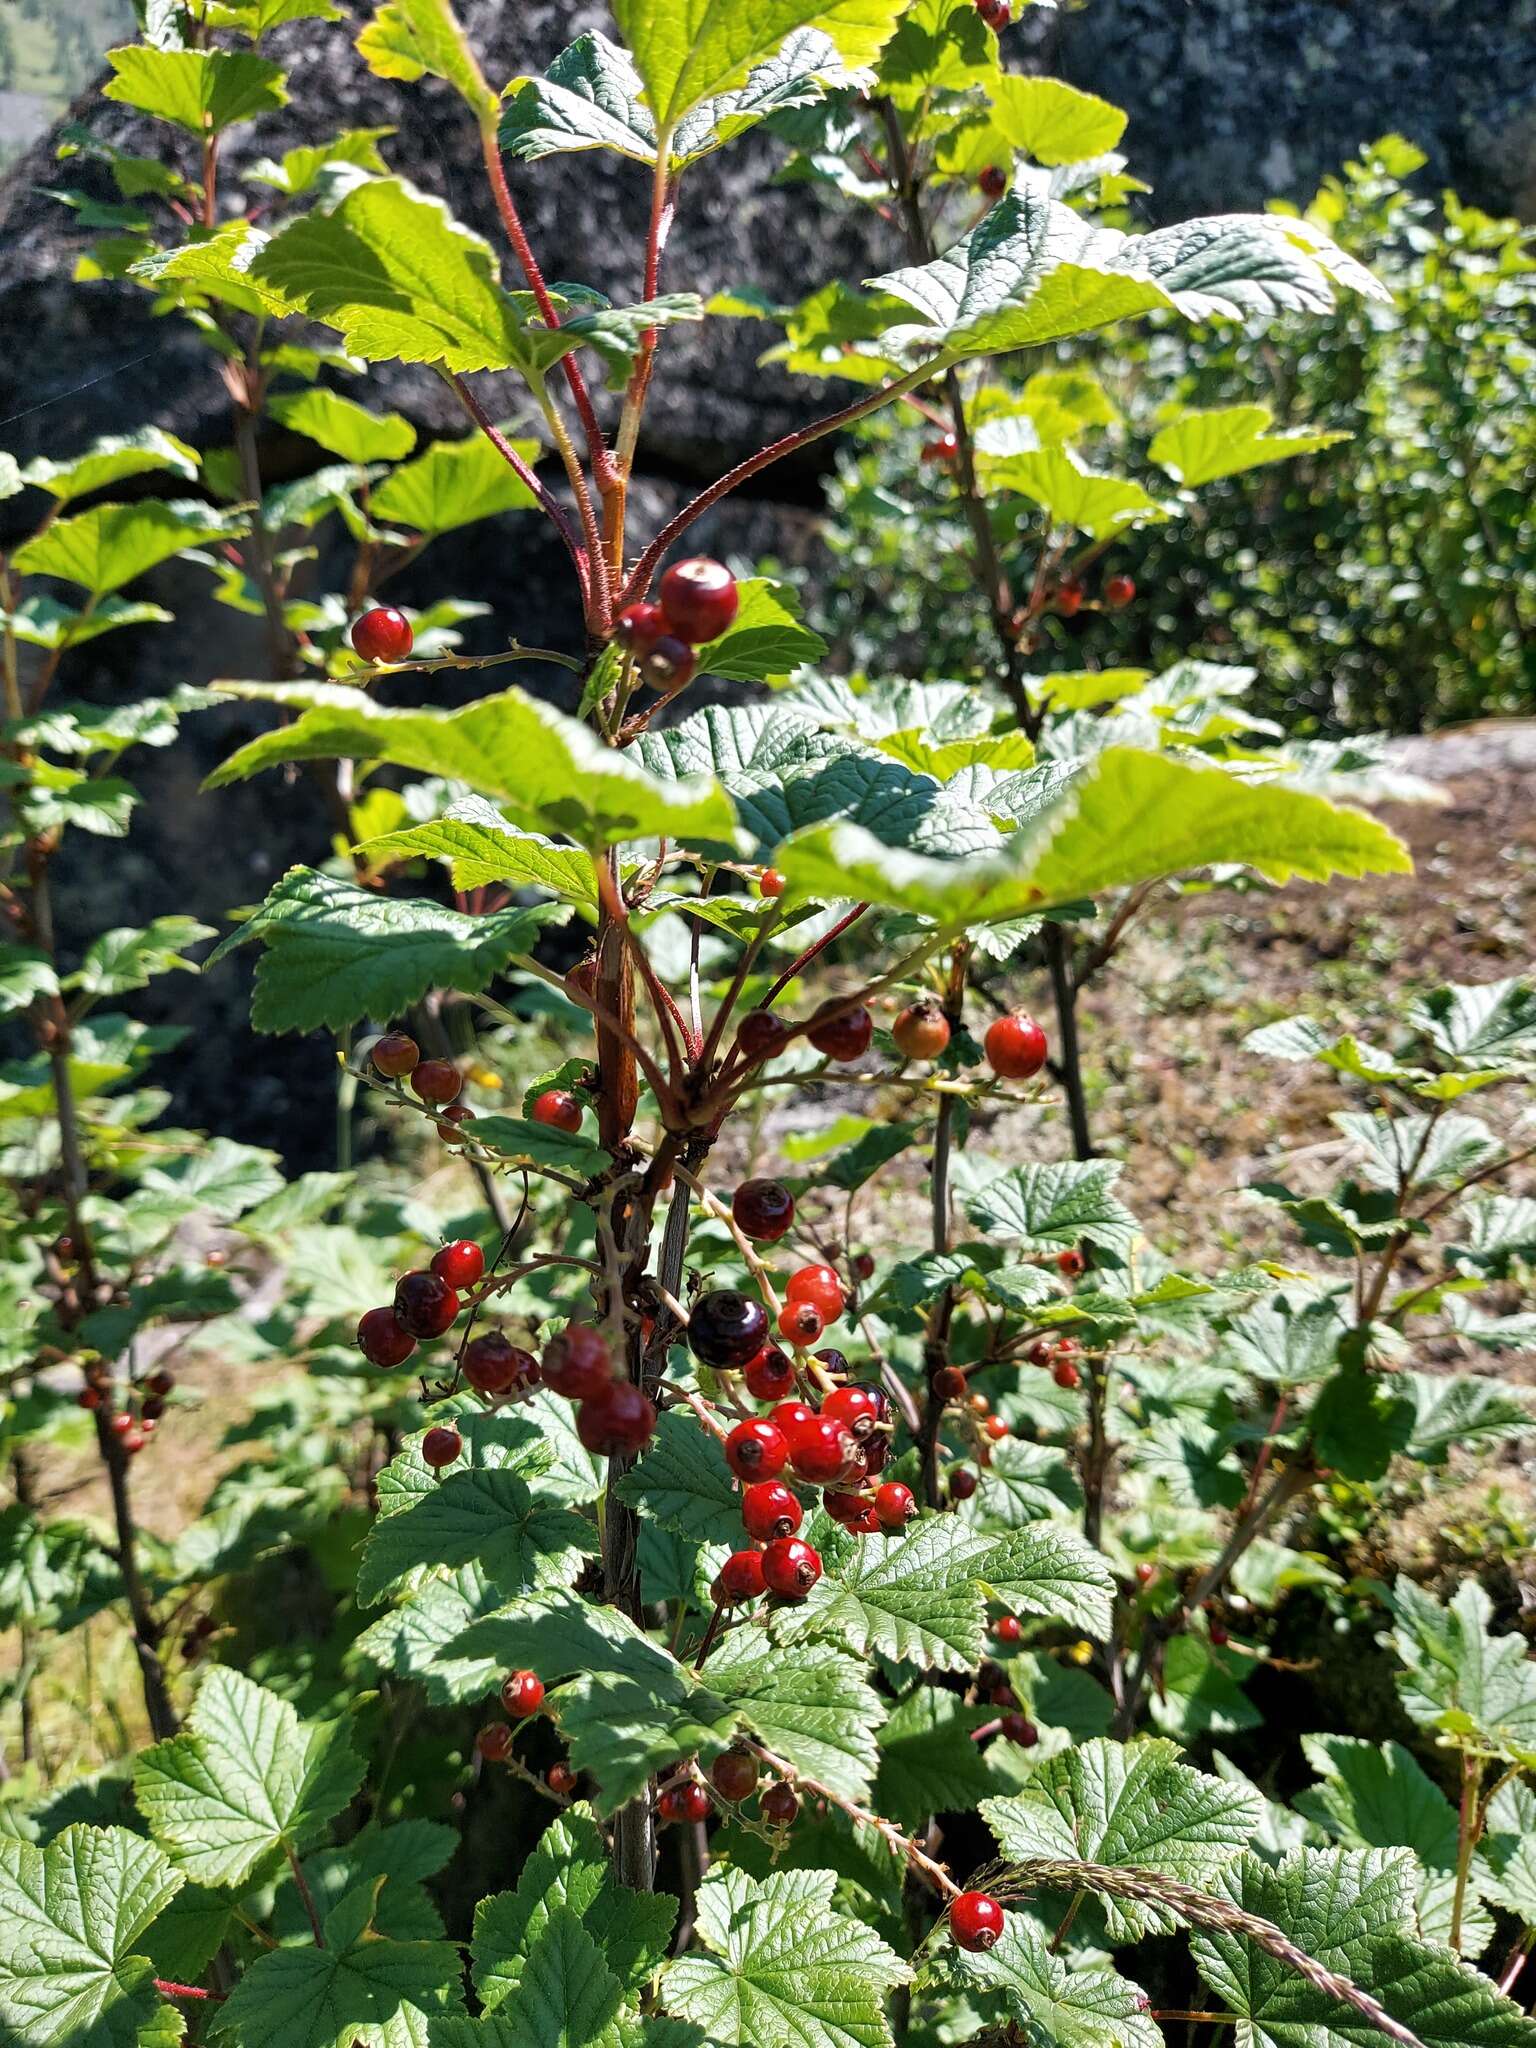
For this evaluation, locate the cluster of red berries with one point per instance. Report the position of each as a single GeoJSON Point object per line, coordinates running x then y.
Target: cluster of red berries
{"type": "Point", "coordinates": [699, 600]}
{"type": "Point", "coordinates": [427, 1303]}
{"type": "Point", "coordinates": [383, 634]}
{"type": "Point", "coordinates": [735, 1775]}
{"type": "Point", "coordinates": [135, 1423]}
{"type": "Point", "coordinates": [397, 1057]}
{"type": "Point", "coordinates": [522, 1695]}
{"type": "Point", "coordinates": [1058, 1356]}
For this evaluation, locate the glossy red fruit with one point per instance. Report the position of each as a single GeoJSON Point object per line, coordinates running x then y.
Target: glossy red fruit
{"type": "Point", "coordinates": [859, 1409]}
{"type": "Point", "coordinates": [792, 1416]}
{"type": "Point", "coordinates": [455, 1113]}
{"type": "Point", "coordinates": [424, 1303]}
{"type": "Point", "coordinates": [493, 1364]}
{"type": "Point", "coordinates": [558, 1109]}
{"type": "Point", "coordinates": [700, 599]}
{"type": "Point", "coordinates": [578, 1364]}
{"type": "Point", "coordinates": [976, 1920]}
{"type": "Point", "coordinates": [995, 13]}
{"type": "Point", "coordinates": [949, 1383]}
{"type": "Point", "coordinates": [383, 1339]}
{"type": "Point", "coordinates": [134, 1440]}
{"type": "Point", "coordinates": [1119, 591]}
{"type": "Point", "coordinates": [561, 1778]}
{"type": "Point", "coordinates": [436, 1081]}
{"type": "Point", "coordinates": [763, 1210]}
{"type": "Point", "coordinates": [383, 634]}
{"type": "Point", "coordinates": [863, 1266]}
{"type": "Point", "coordinates": [801, 1323]}
{"type": "Point", "coordinates": [522, 1694]}
{"type": "Point", "coordinates": [894, 1504]}
{"type": "Point", "coordinates": [686, 1802]}
{"type": "Point", "coordinates": [875, 1452]}
{"type": "Point", "coordinates": [770, 883]}
{"type": "Point", "coordinates": [1069, 598]}
{"type": "Point", "coordinates": [669, 664]}
{"type": "Point", "coordinates": [494, 1742]}
{"type": "Point", "coordinates": [1042, 1352]}
{"type": "Point", "coordinates": [1070, 1262]}
{"type": "Point", "coordinates": [779, 1806]}
{"type": "Point", "coordinates": [865, 1523]}
{"type": "Point", "coordinates": [836, 1362]}
{"type": "Point", "coordinates": [395, 1054]}
{"type": "Point", "coordinates": [761, 1035]}
{"type": "Point", "coordinates": [734, 1775]}
{"type": "Point", "coordinates": [726, 1328]}
{"type": "Point", "coordinates": [740, 1578]}
{"type": "Point", "coordinates": [1218, 1635]}
{"type": "Point", "coordinates": [1066, 1374]}
{"type": "Point", "coordinates": [639, 627]}
{"type": "Point", "coordinates": [944, 449]}
{"type": "Point", "coordinates": [842, 1034]}
{"type": "Point", "coordinates": [846, 1508]}
{"type": "Point", "coordinates": [820, 1450]}
{"type": "Point", "coordinates": [122, 1422]}
{"type": "Point", "coordinates": [993, 182]}
{"type": "Point", "coordinates": [770, 1376]}
{"type": "Point", "coordinates": [619, 1419]}
{"type": "Point", "coordinates": [962, 1483]}
{"type": "Point", "coordinates": [921, 1031]}
{"type": "Point", "coordinates": [440, 1446]}
{"type": "Point", "coordinates": [160, 1382]}
{"type": "Point", "coordinates": [1020, 1729]}
{"type": "Point", "coordinates": [995, 1428]}
{"type": "Point", "coordinates": [820, 1286]}
{"type": "Point", "coordinates": [88, 1397]}
{"type": "Point", "coordinates": [756, 1450]}
{"type": "Point", "coordinates": [1015, 1047]}
{"type": "Point", "coordinates": [791, 1568]}
{"type": "Point", "coordinates": [1146, 1572]}
{"type": "Point", "coordinates": [1007, 1629]}
{"type": "Point", "coordinates": [461, 1263]}
{"type": "Point", "coordinates": [769, 1510]}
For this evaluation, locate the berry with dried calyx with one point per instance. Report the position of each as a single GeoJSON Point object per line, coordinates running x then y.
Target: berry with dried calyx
{"type": "Point", "coordinates": [493, 1364]}
{"type": "Point", "coordinates": [770, 883]}
{"type": "Point", "coordinates": [1007, 1629]}
{"type": "Point", "coordinates": [436, 1081]}
{"type": "Point", "coordinates": [561, 1779]}
{"type": "Point", "coordinates": [440, 1446]}
{"type": "Point", "coordinates": [761, 1035]}
{"type": "Point", "coordinates": [976, 1920]}
{"type": "Point", "coordinates": [791, 1567]}
{"type": "Point", "coordinates": [383, 634]}
{"type": "Point", "coordinates": [1218, 1636]}
{"type": "Point", "coordinates": [921, 1031]}
{"type": "Point", "coordinates": [522, 1694]}
{"type": "Point", "coordinates": [949, 1384]}
{"type": "Point", "coordinates": [618, 1419]}
{"type": "Point", "coordinates": [780, 1806]}
{"type": "Point", "coordinates": [1119, 591]}
{"type": "Point", "coordinates": [763, 1210]}
{"type": "Point", "coordinates": [700, 599]}
{"type": "Point", "coordinates": [734, 1775]}
{"type": "Point", "coordinates": [449, 1118]}
{"type": "Point", "coordinates": [669, 664]}
{"type": "Point", "coordinates": [1066, 1374]}
{"type": "Point", "coordinates": [847, 1508]}
{"type": "Point", "coordinates": [494, 1742]}
{"type": "Point", "coordinates": [820, 1450]}
{"type": "Point", "coordinates": [894, 1504]}
{"type": "Point", "coordinates": [769, 1510]}
{"type": "Point", "coordinates": [558, 1110]}
{"type": "Point", "coordinates": [740, 1578]}
{"type": "Point", "coordinates": [756, 1450]}
{"type": "Point", "coordinates": [686, 1802]}
{"type": "Point", "coordinates": [726, 1328]}
{"type": "Point", "coordinates": [995, 1428]}
{"type": "Point", "coordinates": [770, 1376]}
{"type": "Point", "coordinates": [578, 1363]}
{"type": "Point", "coordinates": [395, 1055]}
{"type": "Point", "coordinates": [88, 1397]}
{"type": "Point", "coordinates": [1070, 1263]}
{"type": "Point", "coordinates": [841, 1033]}
{"type": "Point", "coordinates": [962, 1483]}
{"type": "Point", "coordinates": [801, 1323]}
{"type": "Point", "coordinates": [639, 627]}
{"type": "Point", "coordinates": [791, 1416]}
{"type": "Point", "coordinates": [863, 1266]}
{"type": "Point", "coordinates": [424, 1303]}
{"type": "Point", "coordinates": [993, 182]}
{"type": "Point", "coordinates": [1020, 1729]}
{"type": "Point", "coordinates": [860, 1409]}
{"type": "Point", "coordinates": [383, 1339]}
{"type": "Point", "coordinates": [461, 1263]}
{"type": "Point", "coordinates": [820, 1286]}
{"type": "Point", "coordinates": [1015, 1047]}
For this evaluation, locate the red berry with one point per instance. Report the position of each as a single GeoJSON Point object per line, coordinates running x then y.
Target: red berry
{"type": "Point", "coordinates": [779, 1806]}
{"type": "Point", "coordinates": [820, 1286]}
{"type": "Point", "coordinates": [619, 1419]}
{"type": "Point", "coordinates": [1146, 1572]}
{"type": "Point", "coordinates": [639, 627]}
{"type": "Point", "coordinates": [440, 1446]}
{"type": "Point", "coordinates": [859, 1409]}
{"type": "Point", "coordinates": [841, 1033]}
{"type": "Point", "coordinates": [820, 1450]}
{"type": "Point", "coordinates": [726, 1328]}
{"type": "Point", "coordinates": [395, 1055]}
{"type": "Point", "coordinates": [424, 1303]}
{"type": "Point", "coordinates": [894, 1504]}
{"type": "Point", "coordinates": [1007, 1629]}
{"type": "Point", "coordinates": [792, 1416]}
{"type": "Point", "coordinates": [1119, 591]}
{"type": "Point", "coordinates": [921, 1031]}
{"type": "Point", "coordinates": [669, 663]}
{"type": "Point", "coordinates": [133, 1441]}
{"type": "Point", "coordinates": [494, 1742]}
{"type": "Point", "coordinates": [700, 599]}
{"type": "Point", "coordinates": [455, 1113]}
{"type": "Point", "coordinates": [837, 1364]}
{"type": "Point", "coordinates": [847, 1508]}
{"type": "Point", "coordinates": [493, 1364]}
{"type": "Point", "coordinates": [770, 883]}
{"type": "Point", "coordinates": [949, 1383]}
{"type": "Point", "coordinates": [734, 1775]}
{"type": "Point", "coordinates": [1015, 1047]}
{"type": "Point", "coordinates": [88, 1397]}
{"type": "Point", "coordinates": [763, 1210]}
{"type": "Point", "coordinates": [761, 1035]}
{"type": "Point", "coordinates": [770, 1376]}
{"type": "Point", "coordinates": [875, 1453]}
{"type": "Point", "coordinates": [975, 1920]}
{"type": "Point", "coordinates": [756, 1450]}
{"type": "Point", "coordinates": [1218, 1635]}
{"type": "Point", "coordinates": [160, 1382]}
{"type": "Point", "coordinates": [122, 1422]}
{"type": "Point", "coordinates": [561, 1778]}
{"type": "Point", "coordinates": [581, 982]}
{"type": "Point", "coordinates": [995, 1428]}
{"type": "Point", "coordinates": [791, 1567]}
{"type": "Point", "coordinates": [769, 1510]}
{"type": "Point", "coordinates": [1020, 1729]}
{"type": "Point", "coordinates": [962, 1483]}
{"type": "Point", "coordinates": [383, 1339]}
{"type": "Point", "coordinates": [1069, 597]}
{"type": "Point", "coordinates": [1066, 1374]}
{"type": "Point", "coordinates": [461, 1263]}
{"type": "Point", "coordinates": [558, 1109]}
{"type": "Point", "coordinates": [383, 634]}
{"type": "Point", "coordinates": [436, 1081]}
{"type": "Point", "coordinates": [801, 1323]}
{"type": "Point", "coordinates": [944, 449]}
{"type": "Point", "coordinates": [522, 1694]}
{"type": "Point", "coordinates": [1070, 1262]}
{"type": "Point", "coordinates": [578, 1363]}
{"type": "Point", "coordinates": [740, 1578]}
{"type": "Point", "coordinates": [993, 182]}
{"type": "Point", "coordinates": [1042, 1352]}
{"type": "Point", "coordinates": [685, 1802]}
{"type": "Point", "coordinates": [863, 1266]}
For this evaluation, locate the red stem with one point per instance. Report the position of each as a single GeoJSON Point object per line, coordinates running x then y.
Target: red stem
{"type": "Point", "coordinates": [803, 960]}
{"type": "Point", "coordinates": [167, 1989]}
{"type": "Point", "coordinates": [525, 475]}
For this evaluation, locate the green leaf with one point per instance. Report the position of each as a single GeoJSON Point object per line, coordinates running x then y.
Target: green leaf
{"type": "Point", "coordinates": [25, 974]}
{"type": "Point", "coordinates": [129, 958]}
{"type": "Point", "coordinates": [686, 51]}
{"type": "Point", "coordinates": [452, 485]}
{"type": "Point", "coordinates": [625, 1725]}
{"type": "Point", "coordinates": [109, 460]}
{"type": "Point", "coordinates": [1479, 1689]}
{"type": "Point", "coordinates": [928, 1761]}
{"type": "Point", "coordinates": [413, 37]}
{"type": "Point", "coordinates": [221, 1176]}
{"type": "Point", "coordinates": [1071, 493]}
{"type": "Point", "coordinates": [1377, 1796]}
{"type": "Point", "coordinates": [550, 772]}
{"type": "Point", "coordinates": [766, 642]}
{"type": "Point", "coordinates": [480, 847]}
{"type": "Point", "coordinates": [814, 1708]}
{"type": "Point", "coordinates": [1510, 1848]}
{"type": "Point", "coordinates": [1405, 1152]}
{"type": "Point", "coordinates": [566, 1995]}
{"type": "Point", "coordinates": [784, 1968]}
{"type": "Point", "coordinates": [1050, 1572]}
{"type": "Point", "coordinates": [1464, 1412]}
{"type": "Point", "coordinates": [1058, 2001]}
{"type": "Point", "coordinates": [75, 1914]}
{"type": "Point", "coordinates": [1202, 445]}
{"type": "Point", "coordinates": [346, 428]}
{"type": "Point", "coordinates": [683, 1483]}
{"type": "Point", "coordinates": [915, 1597]}
{"type": "Point", "coordinates": [475, 1516]}
{"type": "Point", "coordinates": [303, 168]}
{"type": "Point", "coordinates": [204, 91]}
{"type": "Point", "coordinates": [243, 1780]}
{"type": "Point", "coordinates": [1199, 1695]}
{"type": "Point", "coordinates": [1131, 1806]}
{"type": "Point", "coordinates": [111, 544]}
{"type": "Point", "coordinates": [1284, 1344]}
{"type": "Point", "coordinates": [1050, 1205]}
{"type": "Point", "coordinates": [40, 621]}
{"type": "Point", "coordinates": [1492, 1021]}
{"type": "Point", "coordinates": [419, 1639]}
{"type": "Point", "coordinates": [335, 952]}
{"type": "Point", "coordinates": [520, 1140]}
{"type": "Point", "coordinates": [590, 98]}
{"type": "Point", "coordinates": [1360, 1421]}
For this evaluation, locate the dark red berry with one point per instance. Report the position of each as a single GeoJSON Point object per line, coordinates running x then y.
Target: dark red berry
{"type": "Point", "coordinates": [837, 1364]}
{"type": "Point", "coordinates": [779, 1806]}
{"type": "Point", "coordinates": [639, 627]}
{"type": "Point", "coordinates": [863, 1266]}
{"type": "Point", "coordinates": [726, 1328]}
{"type": "Point", "coordinates": [1020, 1729]}
{"type": "Point", "coordinates": [791, 1567]}
{"type": "Point", "coordinates": [846, 1508]}
{"type": "Point", "coordinates": [1119, 591]}
{"type": "Point", "coordinates": [700, 599]}
{"type": "Point", "coordinates": [1015, 1047]}
{"type": "Point", "coordinates": [686, 1802]}
{"type": "Point", "coordinates": [522, 1694]}
{"type": "Point", "coordinates": [791, 1416]}
{"type": "Point", "coordinates": [461, 1263]}
{"type": "Point", "coordinates": [820, 1286]}
{"type": "Point", "coordinates": [949, 1383]}
{"type": "Point", "coordinates": [669, 663]}
{"type": "Point", "coordinates": [841, 1033]}
{"type": "Point", "coordinates": [455, 1113]}
{"type": "Point", "coordinates": [160, 1382]}
{"type": "Point", "coordinates": [740, 1578]}
{"type": "Point", "coordinates": [976, 1920]}
{"type": "Point", "coordinates": [859, 1409]}
{"type": "Point", "coordinates": [770, 1510]}
{"type": "Point", "coordinates": [1042, 1352]}
{"type": "Point", "coordinates": [383, 1339]}
{"type": "Point", "coordinates": [1218, 1635]}
{"type": "Point", "coordinates": [1069, 597]}
{"type": "Point", "coordinates": [578, 1363]}
{"type": "Point", "coordinates": [756, 1450]}
{"type": "Point", "coordinates": [493, 1364]}
{"type": "Point", "coordinates": [424, 1303]}
{"type": "Point", "coordinates": [88, 1397]}
{"type": "Point", "coordinates": [761, 1035]}
{"type": "Point", "coordinates": [494, 1742]}
{"type": "Point", "coordinates": [1066, 1374]}
{"type": "Point", "coordinates": [1070, 1262]}
{"type": "Point", "coordinates": [820, 1450]}
{"type": "Point", "coordinates": [800, 1323]}
{"type": "Point", "coordinates": [395, 1055]}
{"type": "Point", "coordinates": [894, 1504]}
{"type": "Point", "coordinates": [383, 634]}
{"type": "Point", "coordinates": [770, 1376]}
{"type": "Point", "coordinates": [763, 1210]}
{"type": "Point", "coordinates": [1007, 1629]}
{"type": "Point", "coordinates": [558, 1109]}
{"type": "Point", "coordinates": [962, 1483]}
{"type": "Point", "coordinates": [770, 883]}
{"type": "Point", "coordinates": [619, 1419]}
{"type": "Point", "coordinates": [875, 1451]}
{"type": "Point", "coordinates": [993, 182]}
{"type": "Point", "coordinates": [921, 1031]}
{"type": "Point", "coordinates": [561, 1779]}
{"type": "Point", "coordinates": [436, 1081]}
{"type": "Point", "coordinates": [734, 1775]}
{"type": "Point", "coordinates": [440, 1446]}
